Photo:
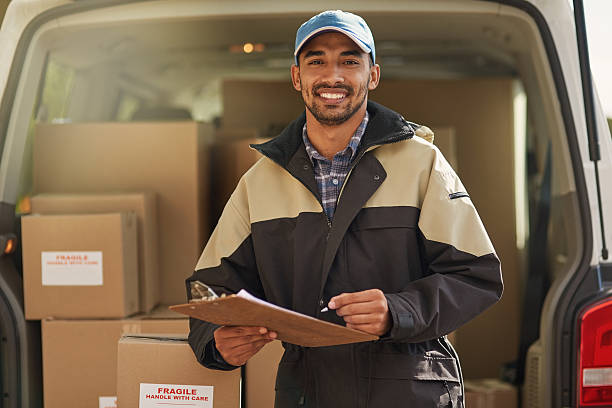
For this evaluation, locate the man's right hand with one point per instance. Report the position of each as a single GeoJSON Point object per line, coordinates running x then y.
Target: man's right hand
{"type": "Point", "coordinates": [237, 344]}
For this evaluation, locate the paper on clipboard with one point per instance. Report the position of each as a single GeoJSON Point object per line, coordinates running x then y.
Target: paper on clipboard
{"type": "Point", "coordinates": [244, 309]}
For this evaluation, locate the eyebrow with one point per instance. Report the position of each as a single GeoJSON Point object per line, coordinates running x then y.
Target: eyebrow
{"type": "Point", "coordinates": [355, 53]}
{"type": "Point", "coordinates": [312, 53]}
{"type": "Point", "coordinates": [318, 53]}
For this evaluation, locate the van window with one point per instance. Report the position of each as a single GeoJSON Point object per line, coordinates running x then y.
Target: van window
{"type": "Point", "coordinates": [127, 106]}
{"type": "Point", "coordinates": [57, 87]}
{"type": "Point", "coordinates": [482, 83]}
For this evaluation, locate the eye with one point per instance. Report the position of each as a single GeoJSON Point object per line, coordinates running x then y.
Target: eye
{"type": "Point", "coordinates": [351, 62]}
{"type": "Point", "coordinates": [315, 62]}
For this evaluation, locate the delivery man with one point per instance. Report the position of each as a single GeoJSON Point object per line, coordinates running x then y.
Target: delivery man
{"type": "Point", "coordinates": [352, 218]}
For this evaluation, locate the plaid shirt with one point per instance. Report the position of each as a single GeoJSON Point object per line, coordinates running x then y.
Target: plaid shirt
{"type": "Point", "coordinates": [330, 175]}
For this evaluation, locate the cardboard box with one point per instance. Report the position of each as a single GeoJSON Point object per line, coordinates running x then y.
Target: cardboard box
{"type": "Point", "coordinates": [223, 135]}
{"type": "Point", "coordinates": [80, 266]}
{"type": "Point", "coordinates": [145, 207]}
{"type": "Point", "coordinates": [260, 376]}
{"type": "Point", "coordinates": [231, 159]}
{"type": "Point", "coordinates": [168, 158]}
{"type": "Point", "coordinates": [156, 368]}
{"type": "Point", "coordinates": [242, 107]}
{"type": "Point", "coordinates": [80, 357]}
{"type": "Point", "coordinates": [490, 393]}
{"type": "Point", "coordinates": [444, 138]}
{"type": "Point", "coordinates": [452, 337]}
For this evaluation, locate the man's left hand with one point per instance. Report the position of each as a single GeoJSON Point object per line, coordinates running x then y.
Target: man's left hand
{"type": "Point", "coordinates": [366, 311]}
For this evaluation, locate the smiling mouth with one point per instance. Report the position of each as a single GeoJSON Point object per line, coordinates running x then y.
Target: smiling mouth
{"type": "Point", "coordinates": [328, 95]}
{"type": "Point", "coordinates": [332, 98]}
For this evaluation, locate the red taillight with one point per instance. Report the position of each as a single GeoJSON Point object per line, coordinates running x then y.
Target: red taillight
{"type": "Point", "coordinates": [595, 361]}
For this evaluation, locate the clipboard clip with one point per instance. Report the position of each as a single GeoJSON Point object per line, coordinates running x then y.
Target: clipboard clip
{"type": "Point", "coordinates": [201, 292]}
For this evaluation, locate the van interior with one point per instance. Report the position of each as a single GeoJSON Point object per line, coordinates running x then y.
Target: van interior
{"type": "Point", "coordinates": [483, 85]}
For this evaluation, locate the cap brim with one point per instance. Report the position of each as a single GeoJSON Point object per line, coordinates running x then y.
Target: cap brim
{"type": "Point", "coordinates": [320, 30]}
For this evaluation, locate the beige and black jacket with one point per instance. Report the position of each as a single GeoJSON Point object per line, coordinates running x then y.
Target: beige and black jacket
{"type": "Point", "coordinates": [404, 224]}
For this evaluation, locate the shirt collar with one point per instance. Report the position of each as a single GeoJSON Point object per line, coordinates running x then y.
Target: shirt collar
{"type": "Point", "coordinates": [353, 144]}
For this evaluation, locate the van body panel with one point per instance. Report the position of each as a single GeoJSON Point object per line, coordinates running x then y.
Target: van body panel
{"type": "Point", "coordinates": [18, 15]}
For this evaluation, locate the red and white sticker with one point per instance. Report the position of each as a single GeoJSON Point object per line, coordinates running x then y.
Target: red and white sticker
{"type": "Point", "coordinates": [107, 402]}
{"type": "Point", "coordinates": [72, 268]}
{"type": "Point", "coordinates": [175, 396]}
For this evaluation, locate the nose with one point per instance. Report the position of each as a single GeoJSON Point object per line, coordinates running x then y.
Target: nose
{"type": "Point", "coordinates": [333, 74]}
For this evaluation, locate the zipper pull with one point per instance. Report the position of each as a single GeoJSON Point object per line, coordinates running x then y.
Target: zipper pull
{"type": "Point", "coordinates": [450, 397]}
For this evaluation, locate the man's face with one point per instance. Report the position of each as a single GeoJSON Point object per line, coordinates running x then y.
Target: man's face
{"type": "Point", "coordinates": [334, 77]}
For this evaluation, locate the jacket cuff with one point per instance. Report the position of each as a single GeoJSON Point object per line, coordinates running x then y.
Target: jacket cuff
{"type": "Point", "coordinates": [214, 360]}
{"type": "Point", "coordinates": [402, 319]}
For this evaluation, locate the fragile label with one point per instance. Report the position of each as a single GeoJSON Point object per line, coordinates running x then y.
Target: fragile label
{"type": "Point", "coordinates": [107, 402]}
{"type": "Point", "coordinates": [72, 268]}
{"type": "Point", "coordinates": [167, 395]}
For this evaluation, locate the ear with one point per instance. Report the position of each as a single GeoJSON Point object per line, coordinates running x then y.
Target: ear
{"type": "Point", "coordinates": [295, 78]}
{"type": "Point", "coordinates": [374, 77]}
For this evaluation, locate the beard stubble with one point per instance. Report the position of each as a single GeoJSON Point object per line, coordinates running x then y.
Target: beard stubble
{"type": "Point", "coordinates": [328, 116]}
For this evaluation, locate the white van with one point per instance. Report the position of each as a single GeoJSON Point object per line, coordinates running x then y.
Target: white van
{"type": "Point", "coordinates": [498, 80]}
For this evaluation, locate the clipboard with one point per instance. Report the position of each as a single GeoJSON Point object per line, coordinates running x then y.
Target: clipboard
{"type": "Point", "coordinates": [244, 309]}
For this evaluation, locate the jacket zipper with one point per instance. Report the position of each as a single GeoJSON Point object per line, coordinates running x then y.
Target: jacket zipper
{"type": "Point", "coordinates": [357, 159]}
{"type": "Point", "coordinates": [446, 344]}
{"type": "Point", "coordinates": [450, 397]}
{"type": "Point", "coordinates": [348, 175]}
{"type": "Point", "coordinates": [329, 222]}
{"type": "Point", "coordinates": [355, 162]}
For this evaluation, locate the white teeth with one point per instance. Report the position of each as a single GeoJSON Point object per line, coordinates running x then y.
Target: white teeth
{"type": "Point", "coordinates": [332, 95]}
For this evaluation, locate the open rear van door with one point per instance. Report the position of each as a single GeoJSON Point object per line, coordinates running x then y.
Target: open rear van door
{"type": "Point", "coordinates": [585, 309]}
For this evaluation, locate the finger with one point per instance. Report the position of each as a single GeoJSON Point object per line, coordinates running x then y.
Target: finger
{"type": "Point", "coordinates": [344, 299]}
{"type": "Point", "coordinates": [250, 347]}
{"type": "Point", "coordinates": [354, 297]}
{"type": "Point", "coordinates": [364, 318]}
{"type": "Point", "coordinates": [259, 345]}
{"type": "Point", "coordinates": [233, 342]}
{"type": "Point", "coordinates": [371, 307]}
{"type": "Point", "coordinates": [244, 352]}
{"type": "Point", "coordinates": [227, 343]}
{"type": "Point", "coordinates": [379, 327]}
{"type": "Point", "coordinates": [239, 354]}
{"type": "Point", "coordinates": [239, 331]}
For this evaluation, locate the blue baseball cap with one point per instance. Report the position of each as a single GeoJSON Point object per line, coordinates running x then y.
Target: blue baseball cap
{"type": "Point", "coordinates": [343, 22]}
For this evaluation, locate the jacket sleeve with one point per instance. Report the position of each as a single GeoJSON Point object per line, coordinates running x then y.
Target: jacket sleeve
{"type": "Point", "coordinates": [227, 265]}
{"type": "Point", "coordinates": [462, 273]}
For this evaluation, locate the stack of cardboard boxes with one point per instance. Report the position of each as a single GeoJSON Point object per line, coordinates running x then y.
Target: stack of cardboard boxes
{"type": "Point", "coordinates": [118, 221]}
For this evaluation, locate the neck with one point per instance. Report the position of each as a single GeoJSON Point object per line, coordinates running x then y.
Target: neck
{"type": "Point", "coordinates": [331, 139]}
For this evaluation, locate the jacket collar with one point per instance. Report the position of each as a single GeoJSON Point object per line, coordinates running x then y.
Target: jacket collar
{"type": "Point", "coordinates": [385, 126]}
